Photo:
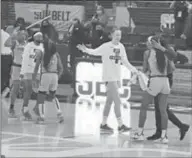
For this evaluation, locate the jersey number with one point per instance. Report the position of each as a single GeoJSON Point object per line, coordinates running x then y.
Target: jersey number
{"type": "Point", "coordinates": [116, 57]}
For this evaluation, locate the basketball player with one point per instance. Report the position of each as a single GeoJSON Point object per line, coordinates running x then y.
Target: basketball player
{"type": "Point", "coordinates": [27, 68]}
{"type": "Point", "coordinates": [18, 48]}
{"type": "Point", "coordinates": [183, 128]}
{"type": "Point", "coordinates": [51, 71]}
{"type": "Point", "coordinates": [112, 53]}
{"type": "Point", "coordinates": [158, 85]}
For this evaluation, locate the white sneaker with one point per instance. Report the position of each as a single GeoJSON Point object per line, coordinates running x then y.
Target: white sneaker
{"type": "Point", "coordinates": [162, 140]}
{"type": "Point", "coordinates": [138, 136]}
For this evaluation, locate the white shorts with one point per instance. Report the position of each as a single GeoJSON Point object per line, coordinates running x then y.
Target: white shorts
{"type": "Point", "coordinates": [15, 74]}
{"type": "Point", "coordinates": [49, 82]}
{"type": "Point", "coordinates": [158, 85]}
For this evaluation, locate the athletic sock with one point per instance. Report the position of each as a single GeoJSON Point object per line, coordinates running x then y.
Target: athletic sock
{"type": "Point", "coordinates": [57, 105]}
{"type": "Point", "coordinates": [104, 122]}
{"type": "Point", "coordinates": [140, 130]}
{"type": "Point", "coordinates": [41, 110]}
{"type": "Point", "coordinates": [12, 106]}
{"type": "Point", "coordinates": [163, 133]}
{"type": "Point", "coordinates": [25, 109]}
{"type": "Point", "coordinates": [119, 121]}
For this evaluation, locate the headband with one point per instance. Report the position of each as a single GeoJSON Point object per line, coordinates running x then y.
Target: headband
{"type": "Point", "coordinates": [149, 39]}
{"type": "Point", "coordinates": [38, 34]}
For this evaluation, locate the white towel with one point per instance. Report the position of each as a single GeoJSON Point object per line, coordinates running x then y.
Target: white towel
{"type": "Point", "coordinates": [133, 79]}
{"type": "Point", "coordinates": [143, 80]}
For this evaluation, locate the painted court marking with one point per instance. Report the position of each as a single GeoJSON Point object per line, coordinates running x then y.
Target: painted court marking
{"type": "Point", "coordinates": [10, 139]}
{"type": "Point", "coordinates": [76, 151]}
{"type": "Point", "coordinates": [40, 136]}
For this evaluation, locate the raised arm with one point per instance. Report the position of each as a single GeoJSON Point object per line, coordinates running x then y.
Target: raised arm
{"type": "Point", "coordinates": [172, 5]}
{"type": "Point", "coordinates": [11, 38]}
{"type": "Point", "coordinates": [125, 61]}
{"type": "Point", "coordinates": [96, 52]}
{"type": "Point", "coordinates": [169, 51]}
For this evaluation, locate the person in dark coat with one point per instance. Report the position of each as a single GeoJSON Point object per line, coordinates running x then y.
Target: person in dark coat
{"type": "Point", "coordinates": [100, 36]}
{"type": "Point", "coordinates": [77, 36]}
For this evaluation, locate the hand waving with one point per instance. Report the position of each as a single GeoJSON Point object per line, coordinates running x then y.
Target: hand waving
{"type": "Point", "coordinates": [82, 47]}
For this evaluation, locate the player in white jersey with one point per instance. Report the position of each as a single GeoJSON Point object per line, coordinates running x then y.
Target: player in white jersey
{"type": "Point", "coordinates": [113, 54]}
{"type": "Point", "coordinates": [27, 68]}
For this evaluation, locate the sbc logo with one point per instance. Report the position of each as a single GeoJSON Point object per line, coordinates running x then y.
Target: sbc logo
{"type": "Point", "coordinates": [98, 90]}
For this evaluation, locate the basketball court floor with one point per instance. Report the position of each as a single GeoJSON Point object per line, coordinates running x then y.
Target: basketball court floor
{"type": "Point", "coordinates": [80, 136]}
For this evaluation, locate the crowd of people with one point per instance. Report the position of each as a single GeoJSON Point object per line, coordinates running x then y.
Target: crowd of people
{"type": "Point", "coordinates": [183, 22]}
{"type": "Point", "coordinates": [25, 59]}
{"type": "Point", "coordinates": [35, 63]}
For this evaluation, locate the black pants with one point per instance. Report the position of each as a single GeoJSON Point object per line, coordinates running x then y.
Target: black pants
{"type": "Point", "coordinates": [6, 62]}
{"type": "Point", "coordinates": [179, 28]}
{"type": "Point", "coordinates": [171, 115]}
{"type": "Point", "coordinates": [74, 53]}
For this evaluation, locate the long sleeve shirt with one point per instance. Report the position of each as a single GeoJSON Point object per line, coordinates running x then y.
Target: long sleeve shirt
{"type": "Point", "coordinates": [112, 57]}
{"type": "Point", "coordinates": [4, 37]}
{"type": "Point", "coordinates": [28, 57]}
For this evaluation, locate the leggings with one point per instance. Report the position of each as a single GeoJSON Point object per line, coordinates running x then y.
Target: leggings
{"type": "Point", "coordinates": [14, 90]}
{"type": "Point", "coordinates": [112, 95]}
{"type": "Point", "coordinates": [27, 91]}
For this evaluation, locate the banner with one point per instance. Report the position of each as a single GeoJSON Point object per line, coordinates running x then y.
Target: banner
{"type": "Point", "coordinates": [89, 81]}
{"type": "Point", "coordinates": [60, 14]}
